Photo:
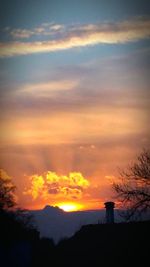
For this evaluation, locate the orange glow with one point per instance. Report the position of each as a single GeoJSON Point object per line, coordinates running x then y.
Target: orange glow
{"type": "Point", "coordinates": [53, 184]}
{"type": "Point", "coordinates": [69, 206]}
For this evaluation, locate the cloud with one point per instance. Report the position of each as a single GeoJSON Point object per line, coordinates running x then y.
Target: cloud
{"type": "Point", "coordinates": [21, 33]}
{"type": "Point", "coordinates": [44, 29]}
{"type": "Point", "coordinates": [80, 36]}
{"type": "Point", "coordinates": [44, 89]}
{"type": "Point", "coordinates": [56, 27]}
{"type": "Point", "coordinates": [87, 87]}
{"type": "Point", "coordinates": [50, 183]}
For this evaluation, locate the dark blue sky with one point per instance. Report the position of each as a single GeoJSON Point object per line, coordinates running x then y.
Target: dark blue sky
{"type": "Point", "coordinates": [27, 13]}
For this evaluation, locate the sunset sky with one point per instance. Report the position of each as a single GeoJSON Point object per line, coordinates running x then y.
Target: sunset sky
{"type": "Point", "coordinates": [74, 97]}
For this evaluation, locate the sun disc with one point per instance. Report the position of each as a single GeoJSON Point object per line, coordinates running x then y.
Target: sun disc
{"type": "Point", "coordinates": [69, 206]}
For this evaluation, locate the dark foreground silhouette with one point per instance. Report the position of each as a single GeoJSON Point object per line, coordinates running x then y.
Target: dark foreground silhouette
{"type": "Point", "coordinates": [122, 244]}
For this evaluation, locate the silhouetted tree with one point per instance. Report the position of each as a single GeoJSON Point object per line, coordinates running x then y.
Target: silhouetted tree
{"type": "Point", "coordinates": [18, 234]}
{"type": "Point", "coordinates": [133, 189]}
{"type": "Point", "coordinates": [7, 189]}
{"type": "Point", "coordinates": [7, 202]}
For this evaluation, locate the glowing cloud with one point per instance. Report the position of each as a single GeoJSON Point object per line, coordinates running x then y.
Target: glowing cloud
{"type": "Point", "coordinates": [80, 36]}
{"type": "Point", "coordinates": [50, 183]}
{"type": "Point", "coordinates": [37, 186]}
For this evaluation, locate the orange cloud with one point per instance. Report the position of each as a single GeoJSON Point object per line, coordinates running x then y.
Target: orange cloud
{"type": "Point", "coordinates": [50, 183]}
{"type": "Point", "coordinates": [81, 36]}
{"type": "Point", "coordinates": [65, 128]}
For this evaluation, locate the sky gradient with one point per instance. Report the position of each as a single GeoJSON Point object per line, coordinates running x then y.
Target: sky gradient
{"type": "Point", "coordinates": [74, 97]}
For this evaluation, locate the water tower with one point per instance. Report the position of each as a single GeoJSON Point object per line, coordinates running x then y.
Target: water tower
{"type": "Point", "coordinates": [109, 211]}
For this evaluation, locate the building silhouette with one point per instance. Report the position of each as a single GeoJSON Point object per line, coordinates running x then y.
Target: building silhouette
{"type": "Point", "coordinates": [109, 211]}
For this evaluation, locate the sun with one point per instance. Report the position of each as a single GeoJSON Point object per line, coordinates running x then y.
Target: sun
{"type": "Point", "coordinates": [69, 206]}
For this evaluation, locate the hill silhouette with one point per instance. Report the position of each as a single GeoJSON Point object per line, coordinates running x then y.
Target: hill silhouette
{"type": "Point", "coordinates": [53, 222]}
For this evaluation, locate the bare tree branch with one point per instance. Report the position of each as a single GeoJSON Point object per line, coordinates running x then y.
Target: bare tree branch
{"type": "Point", "coordinates": [133, 189]}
